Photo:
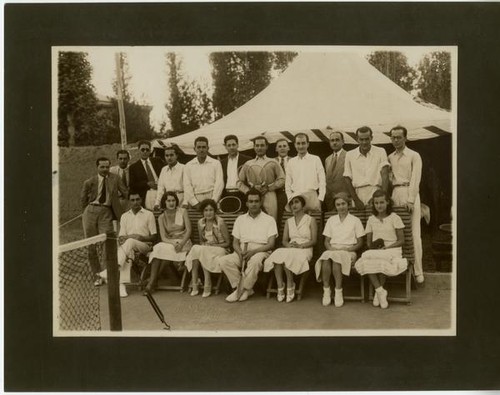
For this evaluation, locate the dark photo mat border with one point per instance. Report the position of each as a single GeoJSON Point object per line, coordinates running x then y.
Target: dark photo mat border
{"type": "Point", "coordinates": [35, 361]}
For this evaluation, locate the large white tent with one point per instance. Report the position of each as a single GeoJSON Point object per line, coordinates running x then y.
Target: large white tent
{"type": "Point", "coordinates": [340, 90]}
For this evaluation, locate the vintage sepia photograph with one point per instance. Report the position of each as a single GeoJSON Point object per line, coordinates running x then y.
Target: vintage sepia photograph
{"type": "Point", "coordinates": [245, 191]}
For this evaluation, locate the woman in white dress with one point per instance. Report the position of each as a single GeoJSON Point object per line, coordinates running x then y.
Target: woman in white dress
{"type": "Point", "coordinates": [215, 241]}
{"type": "Point", "coordinates": [175, 233]}
{"type": "Point", "coordinates": [343, 237]}
{"type": "Point", "coordinates": [299, 237]}
{"type": "Point", "coordinates": [385, 238]}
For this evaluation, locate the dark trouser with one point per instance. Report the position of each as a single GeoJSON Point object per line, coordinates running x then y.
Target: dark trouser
{"type": "Point", "coordinates": [282, 201]}
{"type": "Point", "coordinates": [96, 220]}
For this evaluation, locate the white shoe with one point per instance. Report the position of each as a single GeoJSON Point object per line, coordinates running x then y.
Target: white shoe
{"type": "Point", "coordinates": [327, 297]}
{"type": "Point", "coordinates": [233, 297]}
{"type": "Point", "coordinates": [382, 297]}
{"type": "Point", "coordinates": [246, 294]}
{"type": "Point", "coordinates": [123, 291]}
{"type": "Point", "coordinates": [339, 298]}
{"type": "Point", "coordinates": [207, 291]}
{"type": "Point", "coordinates": [376, 302]}
{"type": "Point", "coordinates": [281, 294]}
{"type": "Point", "coordinates": [195, 291]}
{"type": "Point", "coordinates": [290, 294]}
{"type": "Point", "coordinates": [420, 278]}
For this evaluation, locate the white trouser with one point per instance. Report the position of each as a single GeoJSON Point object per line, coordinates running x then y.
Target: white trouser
{"type": "Point", "coordinates": [231, 266]}
{"type": "Point", "coordinates": [400, 198]}
{"type": "Point", "coordinates": [128, 250]}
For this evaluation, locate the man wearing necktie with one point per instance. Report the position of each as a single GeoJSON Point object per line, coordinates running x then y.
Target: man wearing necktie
{"type": "Point", "coordinates": [144, 174]}
{"type": "Point", "coordinates": [122, 171]}
{"type": "Point", "coordinates": [100, 203]}
{"type": "Point", "coordinates": [334, 166]}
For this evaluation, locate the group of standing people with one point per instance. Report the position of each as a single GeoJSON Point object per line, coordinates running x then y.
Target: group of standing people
{"type": "Point", "coordinates": [361, 177]}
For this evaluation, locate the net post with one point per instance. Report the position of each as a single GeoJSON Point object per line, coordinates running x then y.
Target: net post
{"type": "Point", "coordinates": [115, 311]}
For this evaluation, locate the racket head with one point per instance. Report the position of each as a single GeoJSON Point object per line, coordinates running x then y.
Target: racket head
{"type": "Point", "coordinates": [230, 205]}
{"type": "Point", "coordinates": [268, 174]}
{"type": "Point", "coordinates": [254, 175]}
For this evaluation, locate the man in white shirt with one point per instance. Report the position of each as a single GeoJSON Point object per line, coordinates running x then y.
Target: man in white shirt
{"type": "Point", "coordinates": [282, 149]}
{"type": "Point", "coordinates": [122, 171]}
{"type": "Point", "coordinates": [231, 166]}
{"type": "Point", "coordinates": [271, 176]}
{"type": "Point", "coordinates": [254, 234]}
{"type": "Point", "coordinates": [202, 176]}
{"type": "Point", "coordinates": [366, 169]}
{"type": "Point", "coordinates": [144, 174]}
{"type": "Point", "coordinates": [334, 168]}
{"type": "Point", "coordinates": [171, 178]}
{"type": "Point", "coordinates": [406, 166]}
{"type": "Point", "coordinates": [305, 175]}
{"type": "Point", "coordinates": [137, 234]}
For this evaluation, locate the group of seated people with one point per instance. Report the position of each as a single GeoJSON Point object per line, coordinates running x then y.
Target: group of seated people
{"type": "Point", "coordinates": [253, 241]}
{"type": "Point", "coordinates": [362, 177]}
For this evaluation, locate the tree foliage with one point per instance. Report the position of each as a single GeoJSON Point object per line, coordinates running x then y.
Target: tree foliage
{"type": "Point", "coordinates": [78, 121]}
{"type": "Point", "coordinates": [394, 65]}
{"type": "Point", "coordinates": [434, 82]}
{"type": "Point", "coordinates": [189, 106]}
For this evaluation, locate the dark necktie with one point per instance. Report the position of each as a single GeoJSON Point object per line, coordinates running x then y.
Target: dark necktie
{"type": "Point", "coordinates": [151, 177]}
{"type": "Point", "coordinates": [282, 163]}
{"type": "Point", "coordinates": [333, 163]}
{"type": "Point", "coordinates": [102, 198]}
{"type": "Point", "coordinates": [124, 177]}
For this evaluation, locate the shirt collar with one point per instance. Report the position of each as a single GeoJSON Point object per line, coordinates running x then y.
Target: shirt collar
{"type": "Point", "coordinates": [235, 158]}
{"type": "Point", "coordinates": [263, 158]}
{"type": "Point", "coordinates": [173, 167]}
{"type": "Point", "coordinates": [141, 211]}
{"type": "Point", "coordinates": [367, 154]}
{"type": "Point", "coordinates": [255, 218]}
{"type": "Point", "coordinates": [208, 159]}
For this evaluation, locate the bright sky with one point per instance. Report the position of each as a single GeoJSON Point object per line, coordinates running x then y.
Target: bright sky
{"type": "Point", "coordinates": [148, 70]}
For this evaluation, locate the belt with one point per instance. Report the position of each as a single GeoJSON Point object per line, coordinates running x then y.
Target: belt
{"type": "Point", "coordinates": [99, 205]}
{"type": "Point", "coordinates": [368, 185]}
{"type": "Point", "coordinates": [232, 190]}
{"type": "Point", "coordinates": [176, 191]}
{"type": "Point", "coordinates": [404, 184]}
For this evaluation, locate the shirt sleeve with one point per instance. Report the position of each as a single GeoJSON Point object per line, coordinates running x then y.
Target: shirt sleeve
{"type": "Point", "coordinates": [416, 175]}
{"type": "Point", "coordinates": [152, 224]}
{"type": "Point", "coordinates": [397, 222]}
{"type": "Point", "coordinates": [383, 159]}
{"type": "Point", "coordinates": [348, 166]}
{"type": "Point", "coordinates": [161, 187]}
{"type": "Point", "coordinates": [219, 181]}
{"type": "Point", "coordinates": [123, 224]}
{"type": "Point", "coordinates": [288, 181]}
{"type": "Point", "coordinates": [272, 229]}
{"type": "Point", "coordinates": [358, 228]}
{"type": "Point", "coordinates": [236, 229]}
{"type": "Point", "coordinates": [188, 187]}
{"type": "Point", "coordinates": [369, 226]}
{"type": "Point", "coordinates": [320, 170]}
{"type": "Point", "coordinates": [327, 231]}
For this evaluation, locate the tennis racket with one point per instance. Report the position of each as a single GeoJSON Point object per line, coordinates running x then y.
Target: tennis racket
{"type": "Point", "coordinates": [254, 176]}
{"type": "Point", "coordinates": [229, 205]}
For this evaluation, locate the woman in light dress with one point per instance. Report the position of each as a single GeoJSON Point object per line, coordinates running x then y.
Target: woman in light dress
{"type": "Point", "coordinates": [299, 237]}
{"type": "Point", "coordinates": [385, 237]}
{"type": "Point", "coordinates": [215, 241]}
{"type": "Point", "coordinates": [175, 233]}
{"type": "Point", "coordinates": [343, 237]}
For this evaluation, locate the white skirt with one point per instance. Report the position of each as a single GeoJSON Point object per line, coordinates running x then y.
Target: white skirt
{"type": "Point", "coordinates": [206, 255]}
{"type": "Point", "coordinates": [389, 262]}
{"type": "Point", "coordinates": [295, 259]}
{"type": "Point", "coordinates": [344, 258]}
{"type": "Point", "coordinates": [166, 252]}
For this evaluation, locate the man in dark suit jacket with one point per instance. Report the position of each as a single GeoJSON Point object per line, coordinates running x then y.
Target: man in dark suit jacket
{"type": "Point", "coordinates": [144, 174]}
{"type": "Point", "coordinates": [334, 167]}
{"type": "Point", "coordinates": [101, 204]}
{"type": "Point", "coordinates": [231, 166]}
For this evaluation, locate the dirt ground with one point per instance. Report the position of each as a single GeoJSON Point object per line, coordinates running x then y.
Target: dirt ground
{"type": "Point", "coordinates": [430, 309]}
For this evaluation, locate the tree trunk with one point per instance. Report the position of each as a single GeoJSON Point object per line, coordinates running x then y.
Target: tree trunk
{"type": "Point", "coordinates": [71, 130]}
